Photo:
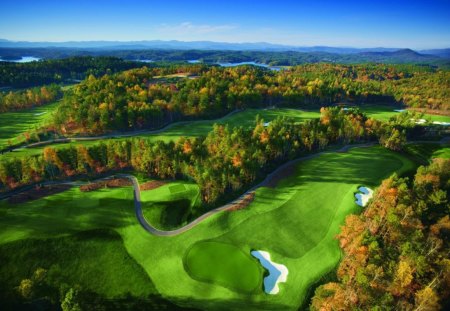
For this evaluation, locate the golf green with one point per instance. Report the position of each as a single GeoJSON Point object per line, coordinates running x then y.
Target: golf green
{"type": "Point", "coordinates": [224, 264]}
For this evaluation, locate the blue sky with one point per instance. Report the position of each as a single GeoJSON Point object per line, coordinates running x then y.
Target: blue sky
{"type": "Point", "coordinates": [393, 23]}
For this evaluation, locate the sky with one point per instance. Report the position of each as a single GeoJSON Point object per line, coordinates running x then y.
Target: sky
{"type": "Point", "coordinates": [383, 23]}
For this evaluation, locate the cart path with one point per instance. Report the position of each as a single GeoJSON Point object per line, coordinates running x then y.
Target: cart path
{"type": "Point", "coordinates": [229, 206]}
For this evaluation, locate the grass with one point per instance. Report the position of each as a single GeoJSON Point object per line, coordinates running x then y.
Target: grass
{"type": "Point", "coordinates": [385, 112]}
{"type": "Point", "coordinates": [244, 118]}
{"type": "Point", "coordinates": [170, 206]}
{"type": "Point", "coordinates": [192, 129]}
{"type": "Point", "coordinates": [296, 222]}
{"type": "Point", "coordinates": [13, 125]}
{"type": "Point", "coordinates": [89, 259]}
{"type": "Point", "coordinates": [427, 152]}
{"type": "Point", "coordinates": [224, 264]}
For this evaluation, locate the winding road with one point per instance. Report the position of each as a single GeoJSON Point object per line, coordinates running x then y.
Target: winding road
{"type": "Point", "coordinates": [229, 206]}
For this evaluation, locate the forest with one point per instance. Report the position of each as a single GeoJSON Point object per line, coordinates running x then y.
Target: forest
{"type": "Point", "coordinates": [211, 56]}
{"type": "Point", "coordinates": [396, 251]}
{"type": "Point", "coordinates": [33, 97]}
{"type": "Point", "coordinates": [223, 164]}
{"type": "Point", "coordinates": [20, 75]}
{"type": "Point", "coordinates": [135, 99]}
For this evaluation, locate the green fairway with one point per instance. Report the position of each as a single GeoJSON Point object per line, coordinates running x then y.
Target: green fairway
{"type": "Point", "coordinates": [224, 264]}
{"type": "Point", "coordinates": [13, 125]}
{"type": "Point", "coordinates": [244, 118]}
{"type": "Point", "coordinates": [427, 151]}
{"type": "Point", "coordinates": [169, 207]}
{"type": "Point", "coordinates": [296, 222]}
{"type": "Point", "coordinates": [385, 112]}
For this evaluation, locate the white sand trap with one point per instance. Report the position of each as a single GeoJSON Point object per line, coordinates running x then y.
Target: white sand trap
{"type": "Point", "coordinates": [277, 272]}
{"type": "Point", "coordinates": [363, 197]}
{"type": "Point", "coordinates": [399, 110]}
{"type": "Point", "coordinates": [40, 113]}
{"type": "Point", "coordinates": [266, 124]}
{"type": "Point", "coordinates": [419, 121]}
{"type": "Point", "coordinates": [441, 123]}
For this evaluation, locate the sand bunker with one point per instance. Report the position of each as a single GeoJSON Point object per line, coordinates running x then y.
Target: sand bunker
{"type": "Point", "coordinates": [441, 123]}
{"type": "Point", "coordinates": [266, 124]}
{"type": "Point", "coordinates": [399, 110]}
{"type": "Point", "coordinates": [40, 113]}
{"type": "Point", "coordinates": [363, 197]}
{"type": "Point", "coordinates": [277, 272]}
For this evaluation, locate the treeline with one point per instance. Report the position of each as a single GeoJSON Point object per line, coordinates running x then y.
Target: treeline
{"type": "Point", "coordinates": [135, 99]}
{"type": "Point", "coordinates": [223, 163]}
{"type": "Point", "coordinates": [396, 253]}
{"type": "Point", "coordinates": [59, 70]}
{"type": "Point", "coordinates": [17, 100]}
{"type": "Point", "coordinates": [277, 58]}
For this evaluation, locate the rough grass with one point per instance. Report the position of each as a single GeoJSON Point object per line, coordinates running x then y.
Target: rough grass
{"type": "Point", "coordinates": [296, 222]}
{"type": "Point", "coordinates": [13, 125]}
{"type": "Point", "coordinates": [428, 151]}
{"type": "Point", "coordinates": [224, 264]}
{"type": "Point", "coordinates": [195, 128]}
{"type": "Point", "coordinates": [170, 206]}
{"type": "Point", "coordinates": [95, 260]}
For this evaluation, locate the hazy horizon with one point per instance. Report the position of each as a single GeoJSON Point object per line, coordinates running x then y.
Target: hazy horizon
{"type": "Point", "coordinates": [401, 24]}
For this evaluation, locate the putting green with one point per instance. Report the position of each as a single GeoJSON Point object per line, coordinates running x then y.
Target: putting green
{"type": "Point", "coordinates": [224, 264]}
{"type": "Point", "coordinates": [296, 222]}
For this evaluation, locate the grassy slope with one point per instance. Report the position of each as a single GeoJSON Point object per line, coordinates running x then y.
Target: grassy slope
{"type": "Point", "coordinates": [166, 208]}
{"type": "Point", "coordinates": [384, 113]}
{"type": "Point", "coordinates": [295, 222]}
{"type": "Point", "coordinates": [14, 124]}
{"type": "Point", "coordinates": [198, 128]}
{"type": "Point", "coordinates": [90, 259]}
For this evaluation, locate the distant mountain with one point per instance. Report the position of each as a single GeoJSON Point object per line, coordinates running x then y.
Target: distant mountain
{"type": "Point", "coordinates": [444, 53]}
{"type": "Point", "coordinates": [191, 45]}
{"type": "Point", "coordinates": [402, 55]}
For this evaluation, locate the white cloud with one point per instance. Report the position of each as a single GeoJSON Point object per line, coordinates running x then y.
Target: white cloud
{"type": "Point", "coordinates": [188, 28]}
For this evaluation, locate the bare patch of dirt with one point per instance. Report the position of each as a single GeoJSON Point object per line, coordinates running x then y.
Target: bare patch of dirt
{"type": "Point", "coordinates": [244, 202]}
{"type": "Point", "coordinates": [37, 193]}
{"type": "Point", "coordinates": [110, 183]}
{"type": "Point", "coordinates": [150, 185]}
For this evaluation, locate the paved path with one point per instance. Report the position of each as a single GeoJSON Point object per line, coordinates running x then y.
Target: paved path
{"type": "Point", "coordinates": [229, 206]}
{"type": "Point", "coordinates": [115, 135]}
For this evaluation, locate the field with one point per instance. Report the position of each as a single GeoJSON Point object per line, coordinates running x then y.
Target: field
{"type": "Point", "coordinates": [296, 222]}
{"type": "Point", "coordinates": [14, 124]}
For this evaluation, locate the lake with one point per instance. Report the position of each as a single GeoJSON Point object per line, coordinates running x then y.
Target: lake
{"type": "Point", "coordinates": [24, 59]}
{"type": "Point", "coordinates": [249, 63]}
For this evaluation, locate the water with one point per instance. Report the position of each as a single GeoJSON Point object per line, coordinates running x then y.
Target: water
{"type": "Point", "coordinates": [249, 63]}
{"type": "Point", "coordinates": [144, 60]}
{"type": "Point", "coordinates": [24, 59]}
